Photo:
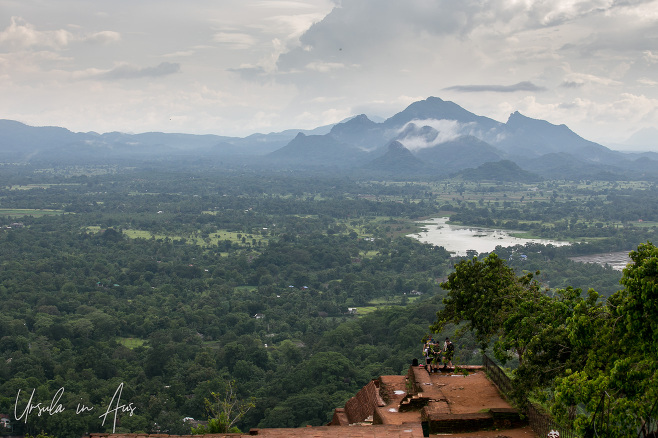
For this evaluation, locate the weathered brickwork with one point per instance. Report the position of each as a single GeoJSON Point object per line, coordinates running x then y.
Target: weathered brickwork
{"type": "Point", "coordinates": [416, 404]}
{"type": "Point", "coordinates": [163, 435]}
{"type": "Point", "coordinates": [363, 404]}
{"type": "Point", "coordinates": [339, 418]}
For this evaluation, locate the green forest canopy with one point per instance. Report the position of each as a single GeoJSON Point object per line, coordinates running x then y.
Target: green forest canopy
{"type": "Point", "coordinates": [174, 282]}
{"type": "Point", "coordinates": [573, 351]}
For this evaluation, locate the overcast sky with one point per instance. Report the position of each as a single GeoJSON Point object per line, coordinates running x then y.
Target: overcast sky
{"type": "Point", "coordinates": [235, 67]}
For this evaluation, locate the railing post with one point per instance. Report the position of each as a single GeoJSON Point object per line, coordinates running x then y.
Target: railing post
{"type": "Point", "coordinates": [539, 422]}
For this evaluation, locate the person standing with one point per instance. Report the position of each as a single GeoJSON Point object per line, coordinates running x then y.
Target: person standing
{"type": "Point", "coordinates": [449, 349]}
{"type": "Point", "coordinates": [436, 362]}
{"type": "Point", "coordinates": [427, 352]}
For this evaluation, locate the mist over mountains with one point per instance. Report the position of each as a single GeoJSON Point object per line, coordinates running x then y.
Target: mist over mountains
{"type": "Point", "coordinates": [429, 138]}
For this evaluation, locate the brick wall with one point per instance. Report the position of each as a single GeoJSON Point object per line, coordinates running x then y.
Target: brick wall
{"type": "Point", "coordinates": [363, 404]}
{"type": "Point", "coordinates": [162, 435]}
{"type": "Point", "coordinates": [339, 418]}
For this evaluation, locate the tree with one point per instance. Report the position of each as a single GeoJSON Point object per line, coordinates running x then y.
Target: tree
{"type": "Point", "coordinates": [619, 381]}
{"type": "Point", "coordinates": [483, 293]}
{"type": "Point", "coordinates": [541, 326]}
{"type": "Point", "coordinates": [225, 411]}
{"type": "Point", "coordinates": [526, 322]}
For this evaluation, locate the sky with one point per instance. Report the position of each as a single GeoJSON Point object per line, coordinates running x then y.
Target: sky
{"type": "Point", "coordinates": [237, 67]}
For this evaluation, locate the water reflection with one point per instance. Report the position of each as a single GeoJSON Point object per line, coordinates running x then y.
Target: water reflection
{"type": "Point", "coordinates": [459, 239]}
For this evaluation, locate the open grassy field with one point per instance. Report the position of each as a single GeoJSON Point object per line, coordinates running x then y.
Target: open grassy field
{"type": "Point", "coordinates": [131, 342]}
{"type": "Point", "coordinates": [196, 239]}
{"type": "Point", "coordinates": [38, 186]}
{"type": "Point", "coordinates": [382, 302]}
{"type": "Point", "coordinates": [20, 212]}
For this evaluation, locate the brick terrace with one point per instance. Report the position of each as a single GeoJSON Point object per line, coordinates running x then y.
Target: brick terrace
{"type": "Point", "coordinates": [452, 405]}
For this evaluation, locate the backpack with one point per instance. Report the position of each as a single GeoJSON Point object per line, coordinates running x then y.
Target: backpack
{"type": "Point", "coordinates": [451, 347]}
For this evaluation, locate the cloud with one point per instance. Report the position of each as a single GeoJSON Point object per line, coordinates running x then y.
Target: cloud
{"type": "Point", "coordinates": [23, 35]}
{"type": "Point", "coordinates": [179, 54]}
{"type": "Point", "coordinates": [647, 82]}
{"type": "Point", "coordinates": [583, 78]}
{"type": "Point", "coordinates": [312, 62]}
{"type": "Point", "coordinates": [236, 40]}
{"type": "Point", "coordinates": [521, 86]}
{"type": "Point", "coordinates": [649, 57]}
{"type": "Point", "coordinates": [571, 84]}
{"type": "Point", "coordinates": [132, 72]}
{"type": "Point", "coordinates": [325, 66]}
{"type": "Point", "coordinates": [416, 136]}
{"type": "Point", "coordinates": [104, 37]}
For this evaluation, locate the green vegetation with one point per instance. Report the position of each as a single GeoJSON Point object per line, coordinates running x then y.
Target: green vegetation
{"type": "Point", "coordinates": [223, 275]}
{"type": "Point", "coordinates": [20, 212]}
{"type": "Point", "coordinates": [573, 351]}
{"type": "Point", "coordinates": [131, 343]}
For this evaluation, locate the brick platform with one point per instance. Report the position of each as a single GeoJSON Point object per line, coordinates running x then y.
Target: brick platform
{"type": "Point", "coordinates": [455, 405]}
{"type": "Point", "coordinates": [374, 431]}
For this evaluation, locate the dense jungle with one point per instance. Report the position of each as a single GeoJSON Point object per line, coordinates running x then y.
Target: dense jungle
{"type": "Point", "coordinates": [294, 289]}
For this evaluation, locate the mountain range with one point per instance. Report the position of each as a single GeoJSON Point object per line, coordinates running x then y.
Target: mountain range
{"type": "Point", "coordinates": [429, 138]}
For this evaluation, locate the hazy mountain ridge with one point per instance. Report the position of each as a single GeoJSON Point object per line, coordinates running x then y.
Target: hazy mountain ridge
{"type": "Point", "coordinates": [430, 137]}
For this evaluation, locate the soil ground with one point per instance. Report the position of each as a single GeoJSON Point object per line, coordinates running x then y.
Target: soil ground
{"type": "Point", "coordinates": [465, 394]}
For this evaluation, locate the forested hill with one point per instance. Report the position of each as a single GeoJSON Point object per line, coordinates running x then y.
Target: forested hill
{"type": "Point", "coordinates": [175, 283]}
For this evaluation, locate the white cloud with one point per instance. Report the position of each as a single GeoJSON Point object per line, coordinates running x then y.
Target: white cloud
{"type": "Point", "coordinates": [104, 37]}
{"type": "Point", "coordinates": [324, 67]}
{"type": "Point", "coordinates": [446, 130]}
{"type": "Point", "coordinates": [649, 57]}
{"type": "Point", "coordinates": [20, 34]}
{"type": "Point", "coordinates": [648, 82]}
{"type": "Point", "coordinates": [585, 78]}
{"type": "Point", "coordinates": [132, 72]}
{"type": "Point", "coordinates": [237, 40]}
{"type": "Point", "coordinates": [23, 35]}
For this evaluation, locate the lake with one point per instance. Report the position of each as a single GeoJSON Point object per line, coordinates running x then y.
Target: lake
{"type": "Point", "coordinates": [616, 260]}
{"type": "Point", "coordinates": [458, 239]}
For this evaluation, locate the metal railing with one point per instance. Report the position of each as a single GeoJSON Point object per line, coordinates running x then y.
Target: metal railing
{"type": "Point", "coordinates": [541, 423]}
{"type": "Point", "coordinates": [650, 426]}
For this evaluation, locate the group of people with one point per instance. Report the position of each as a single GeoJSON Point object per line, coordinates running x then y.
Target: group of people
{"type": "Point", "coordinates": [435, 355]}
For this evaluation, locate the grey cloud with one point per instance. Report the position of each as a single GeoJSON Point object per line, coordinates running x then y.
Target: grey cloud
{"type": "Point", "coordinates": [571, 84]}
{"type": "Point", "coordinates": [521, 86]}
{"type": "Point", "coordinates": [131, 72]}
{"type": "Point", "coordinates": [569, 105]}
{"type": "Point", "coordinates": [621, 39]}
{"type": "Point", "coordinates": [355, 32]}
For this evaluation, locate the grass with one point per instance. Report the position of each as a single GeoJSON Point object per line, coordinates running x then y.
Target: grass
{"type": "Point", "coordinates": [38, 186]}
{"type": "Point", "coordinates": [196, 239]}
{"type": "Point", "coordinates": [131, 343]}
{"type": "Point", "coordinates": [383, 302]}
{"type": "Point", "coordinates": [20, 212]}
{"type": "Point", "coordinates": [140, 234]}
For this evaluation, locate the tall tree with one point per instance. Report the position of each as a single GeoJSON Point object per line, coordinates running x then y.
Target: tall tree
{"type": "Point", "coordinates": [619, 382]}
{"type": "Point", "coordinates": [485, 294]}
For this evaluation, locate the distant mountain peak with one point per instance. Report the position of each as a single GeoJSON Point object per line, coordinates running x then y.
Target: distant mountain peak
{"type": "Point", "coordinates": [438, 109]}
{"type": "Point", "coordinates": [397, 159]}
{"type": "Point", "coordinates": [361, 118]}
{"type": "Point", "coordinates": [357, 122]}
{"type": "Point", "coordinates": [516, 118]}
{"type": "Point", "coordinates": [396, 146]}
